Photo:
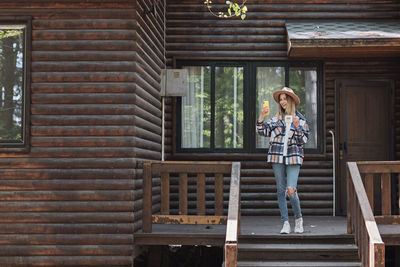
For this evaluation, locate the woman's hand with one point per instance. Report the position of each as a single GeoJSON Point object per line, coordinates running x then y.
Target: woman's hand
{"type": "Point", "coordinates": [264, 112]}
{"type": "Point", "coordinates": [296, 121]}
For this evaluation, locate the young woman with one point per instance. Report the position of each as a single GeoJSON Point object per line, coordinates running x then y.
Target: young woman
{"type": "Point", "coordinates": [288, 132]}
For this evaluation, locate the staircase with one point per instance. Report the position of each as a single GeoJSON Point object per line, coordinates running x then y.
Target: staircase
{"type": "Point", "coordinates": [298, 250]}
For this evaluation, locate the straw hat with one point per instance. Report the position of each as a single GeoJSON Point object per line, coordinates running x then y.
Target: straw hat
{"type": "Point", "coordinates": [289, 92]}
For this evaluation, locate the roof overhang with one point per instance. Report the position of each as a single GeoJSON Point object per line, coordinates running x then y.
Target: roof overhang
{"type": "Point", "coordinates": [343, 38]}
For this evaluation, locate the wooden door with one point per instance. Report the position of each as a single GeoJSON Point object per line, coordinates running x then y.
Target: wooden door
{"type": "Point", "coordinates": [365, 129]}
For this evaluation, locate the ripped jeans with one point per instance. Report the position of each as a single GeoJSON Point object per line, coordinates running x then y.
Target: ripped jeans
{"type": "Point", "coordinates": [286, 176]}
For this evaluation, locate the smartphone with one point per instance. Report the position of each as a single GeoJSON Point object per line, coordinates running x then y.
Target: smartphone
{"type": "Point", "coordinates": [266, 104]}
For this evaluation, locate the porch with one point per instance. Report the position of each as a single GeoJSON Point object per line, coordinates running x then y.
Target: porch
{"type": "Point", "coordinates": [355, 240]}
{"type": "Point", "coordinates": [252, 227]}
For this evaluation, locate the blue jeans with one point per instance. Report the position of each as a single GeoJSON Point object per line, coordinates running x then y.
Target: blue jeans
{"type": "Point", "coordinates": [287, 176]}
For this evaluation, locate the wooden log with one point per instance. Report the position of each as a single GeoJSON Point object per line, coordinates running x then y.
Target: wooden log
{"type": "Point", "coordinates": [73, 174]}
{"type": "Point", "coordinates": [84, 34]}
{"type": "Point", "coordinates": [93, 45]}
{"type": "Point", "coordinates": [43, 163]}
{"type": "Point", "coordinates": [90, 184]}
{"type": "Point", "coordinates": [62, 24]}
{"type": "Point", "coordinates": [84, 55]}
{"type": "Point", "coordinates": [36, 261]}
{"type": "Point", "coordinates": [83, 195]}
{"type": "Point", "coordinates": [65, 250]}
{"type": "Point", "coordinates": [62, 228]}
{"type": "Point", "coordinates": [82, 88]}
{"type": "Point", "coordinates": [66, 217]}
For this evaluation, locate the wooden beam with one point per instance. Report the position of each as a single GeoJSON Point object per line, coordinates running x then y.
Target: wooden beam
{"type": "Point", "coordinates": [219, 194]}
{"type": "Point", "coordinates": [183, 194]}
{"type": "Point", "coordinates": [231, 252]}
{"type": "Point", "coordinates": [164, 193]}
{"type": "Point", "coordinates": [192, 167]}
{"type": "Point", "coordinates": [147, 205]}
{"type": "Point", "coordinates": [386, 194]}
{"type": "Point", "coordinates": [369, 189]}
{"type": "Point", "coordinates": [385, 219]}
{"type": "Point", "coordinates": [188, 219]}
{"type": "Point", "coordinates": [201, 194]}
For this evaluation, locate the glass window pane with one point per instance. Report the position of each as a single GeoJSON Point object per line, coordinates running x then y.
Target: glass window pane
{"type": "Point", "coordinates": [303, 81]}
{"type": "Point", "coordinates": [196, 109]}
{"type": "Point", "coordinates": [269, 79]}
{"type": "Point", "coordinates": [11, 83]}
{"type": "Point", "coordinates": [229, 107]}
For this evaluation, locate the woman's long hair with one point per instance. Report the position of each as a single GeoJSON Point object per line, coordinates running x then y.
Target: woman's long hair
{"type": "Point", "coordinates": [290, 110]}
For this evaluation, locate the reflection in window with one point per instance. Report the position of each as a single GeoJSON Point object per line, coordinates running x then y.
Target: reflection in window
{"type": "Point", "coordinates": [269, 79]}
{"type": "Point", "coordinates": [303, 81]}
{"type": "Point", "coordinates": [11, 83]}
{"type": "Point", "coordinates": [196, 109]}
{"type": "Point", "coordinates": [229, 107]}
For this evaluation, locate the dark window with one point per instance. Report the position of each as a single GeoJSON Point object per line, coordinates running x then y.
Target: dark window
{"type": "Point", "coordinates": [13, 86]}
{"type": "Point", "coordinates": [224, 99]}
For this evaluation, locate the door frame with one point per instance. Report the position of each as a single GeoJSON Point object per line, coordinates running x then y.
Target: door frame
{"type": "Point", "coordinates": [340, 184]}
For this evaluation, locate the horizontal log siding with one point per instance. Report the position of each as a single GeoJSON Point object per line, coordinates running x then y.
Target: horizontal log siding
{"type": "Point", "coordinates": [76, 198]}
{"type": "Point", "coordinates": [193, 33]}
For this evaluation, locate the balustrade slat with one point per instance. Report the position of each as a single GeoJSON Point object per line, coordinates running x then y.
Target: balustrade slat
{"type": "Point", "coordinates": [201, 194]}
{"type": "Point", "coordinates": [369, 189]}
{"type": "Point", "coordinates": [164, 193]}
{"type": "Point", "coordinates": [183, 194]}
{"type": "Point", "coordinates": [219, 194]}
{"type": "Point", "coordinates": [386, 194]}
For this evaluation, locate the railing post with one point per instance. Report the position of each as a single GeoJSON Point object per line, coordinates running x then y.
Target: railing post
{"type": "Point", "coordinates": [348, 179]}
{"type": "Point", "coordinates": [147, 205]}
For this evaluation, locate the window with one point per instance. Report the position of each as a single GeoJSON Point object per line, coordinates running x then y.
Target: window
{"type": "Point", "coordinates": [13, 86]}
{"type": "Point", "coordinates": [224, 100]}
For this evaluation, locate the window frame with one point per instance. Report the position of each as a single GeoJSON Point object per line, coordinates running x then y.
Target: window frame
{"type": "Point", "coordinates": [249, 100]}
{"type": "Point", "coordinates": [23, 146]}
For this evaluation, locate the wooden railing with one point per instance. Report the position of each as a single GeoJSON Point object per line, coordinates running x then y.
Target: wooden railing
{"type": "Point", "coordinates": [164, 169]}
{"type": "Point", "coordinates": [361, 220]}
{"type": "Point", "coordinates": [233, 224]}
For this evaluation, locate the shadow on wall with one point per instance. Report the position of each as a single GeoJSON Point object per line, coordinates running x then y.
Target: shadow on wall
{"type": "Point", "coordinates": [180, 256]}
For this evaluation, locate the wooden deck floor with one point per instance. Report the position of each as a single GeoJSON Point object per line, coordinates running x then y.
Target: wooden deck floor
{"type": "Point", "coordinates": [251, 226]}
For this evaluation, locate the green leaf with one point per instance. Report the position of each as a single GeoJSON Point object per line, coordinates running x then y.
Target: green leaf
{"type": "Point", "coordinates": [243, 16]}
{"type": "Point", "coordinates": [229, 12]}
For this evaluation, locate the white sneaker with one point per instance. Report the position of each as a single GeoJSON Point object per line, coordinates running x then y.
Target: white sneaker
{"type": "Point", "coordinates": [285, 228]}
{"type": "Point", "coordinates": [298, 228]}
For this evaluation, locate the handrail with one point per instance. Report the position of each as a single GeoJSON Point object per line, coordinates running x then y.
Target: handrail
{"type": "Point", "coordinates": [361, 220]}
{"type": "Point", "coordinates": [233, 223]}
{"type": "Point", "coordinates": [334, 172]}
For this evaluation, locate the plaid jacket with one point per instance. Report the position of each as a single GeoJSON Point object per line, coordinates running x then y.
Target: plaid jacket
{"type": "Point", "coordinates": [276, 129]}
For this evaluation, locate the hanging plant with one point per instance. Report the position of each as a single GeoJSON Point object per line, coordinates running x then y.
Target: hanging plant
{"type": "Point", "coordinates": [234, 9]}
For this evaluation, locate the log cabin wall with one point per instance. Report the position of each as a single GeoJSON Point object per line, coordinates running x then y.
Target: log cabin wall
{"type": "Point", "coordinates": [195, 34]}
{"type": "Point", "coordinates": [75, 198]}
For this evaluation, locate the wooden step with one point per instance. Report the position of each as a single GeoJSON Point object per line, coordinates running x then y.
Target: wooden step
{"type": "Point", "coordinates": [297, 264]}
{"type": "Point", "coordinates": [318, 252]}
